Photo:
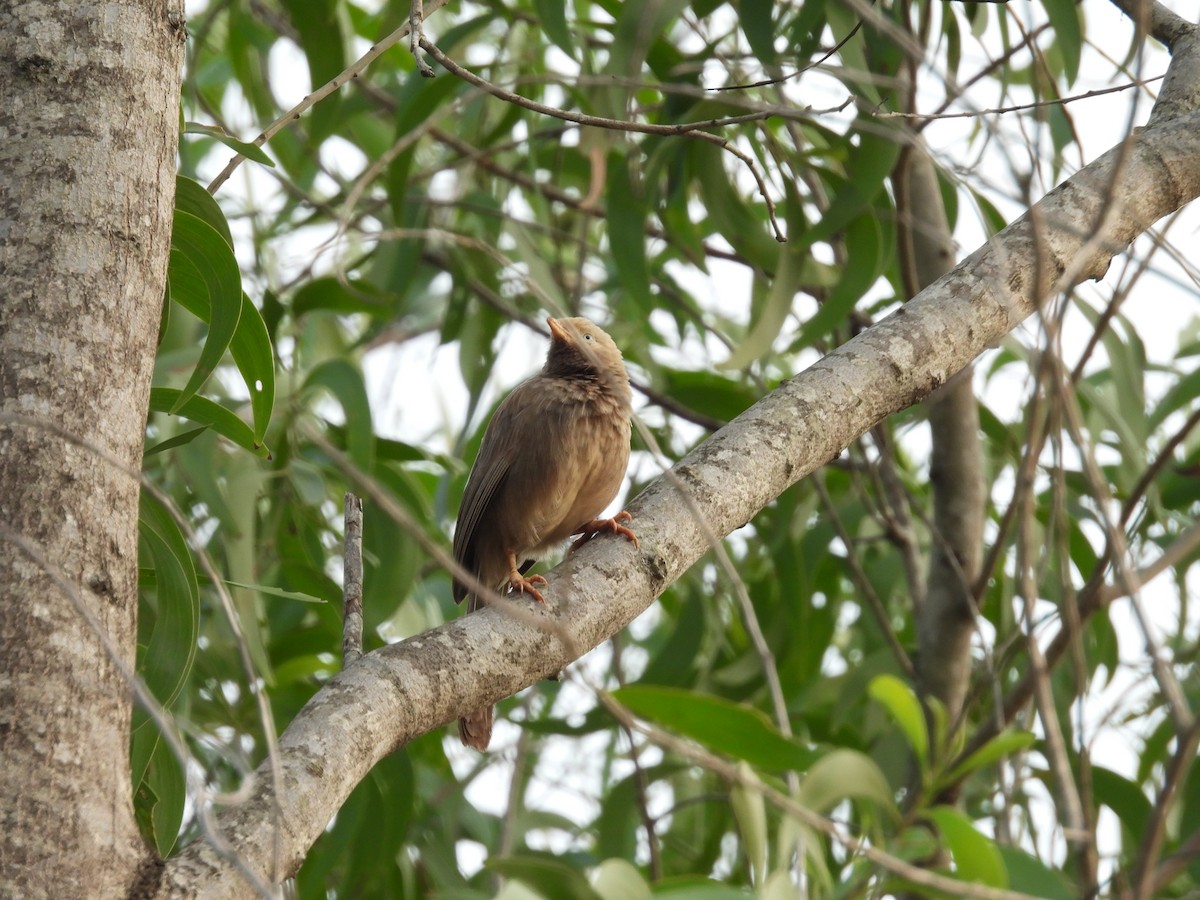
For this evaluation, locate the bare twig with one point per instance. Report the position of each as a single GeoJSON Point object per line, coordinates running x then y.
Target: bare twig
{"type": "Point", "coordinates": [1017, 107]}
{"type": "Point", "coordinates": [415, 33]}
{"type": "Point", "coordinates": [348, 74]}
{"type": "Point", "coordinates": [1150, 849]}
{"type": "Point", "coordinates": [684, 129]}
{"type": "Point", "coordinates": [352, 581]}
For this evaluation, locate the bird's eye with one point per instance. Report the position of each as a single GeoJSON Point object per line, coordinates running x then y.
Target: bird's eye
{"type": "Point", "coordinates": [587, 337]}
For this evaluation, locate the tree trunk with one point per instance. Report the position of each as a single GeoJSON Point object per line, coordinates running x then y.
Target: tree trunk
{"type": "Point", "coordinates": [88, 113]}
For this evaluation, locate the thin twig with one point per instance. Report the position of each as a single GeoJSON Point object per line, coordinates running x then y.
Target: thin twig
{"type": "Point", "coordinates": [416, 16]}
{"type": "Point", "coordinates": [1152, 837]}
{"type": "Point", "coordinates": [352, 582]}
{"type": "Point", "coordinates": [1018, 107]}
{"type": "Point", "coordinates": [684, 129]}
{"type": "Point", "coordinates": [353, 71]}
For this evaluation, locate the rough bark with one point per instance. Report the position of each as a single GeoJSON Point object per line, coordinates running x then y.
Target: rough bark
{"type": "Point", "coordinates": [402, 691]}
{"type": "Point", "coordinates": [88, 110]}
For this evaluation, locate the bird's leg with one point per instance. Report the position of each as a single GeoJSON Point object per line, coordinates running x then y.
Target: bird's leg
{"type": "Point", "coordinates": [520, 583]}
{"type": "Point", "coordinates": [589, 530]}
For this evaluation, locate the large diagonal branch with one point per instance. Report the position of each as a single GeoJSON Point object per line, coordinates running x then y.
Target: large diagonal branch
{"type": "Point", "coordinates": [399, 692]}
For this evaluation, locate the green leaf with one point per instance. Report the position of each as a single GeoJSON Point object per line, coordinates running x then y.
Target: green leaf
{"type": "Point", "coordinates": [784, 285]}
{"type": "Point", "coordinates": [546, 875]}
{"type": "Point", "coordinates": [756, 22]}
{"type": "Point", "coordinates": [898, 698]}
{"type": "Point", "coordinates": [191, 197]}
{"type": "Point", "coordinates": [345, 382]}
{"type": "Point", "coordinates": [845, 775]}
{"type": "Point", "coordinates": [166, 779]}
{"type": "Point", "coordinates": [160, 792]}
{"type": "Point", "coordinates": [246, 149]}
{"type": "Point", "coordinates": [626, 231]}
{"type": "Point", "coordinates": [1004, 744]}
{"type": "Point", "coordinates": [552, 18]}
{"type": "Point", "coordinates": [1068, 34]}
{"type": "Point", "coordinates": [617, 879]}
{"type": "Point", "coordinates": [321, 38]}
{"type": "Point", "coordinates": [274, 591]}
{"type": "Point", "coordinates": [1030, 875]}
{"type": "Point", "coordinates": [255, 358]}
{"type": "Point", "coordinates": [1124, 798]}
{"type": "Point", "coordinates": [750, 811]}
{"type": "Point", "coordinates": [976, 857]}
{"type": "Point", "coordinates": [869, 165]}
{"type": "Point", "coordinates": [741, 732]}
{"type": "Point", "coordinates": [866, 260]}
{"type": "Point", "coordinates": [178, 440]}
{"type": "Point", "coordinates": [206, 412]}
{"type": "Point", "coordinates": [216, 297]}
{"type": "Point", "coordinates": [167, 659]}
{"type": "Point", "coordinates": [344, 298]}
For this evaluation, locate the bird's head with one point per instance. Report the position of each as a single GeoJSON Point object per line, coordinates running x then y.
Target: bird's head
{"type": "Point", "coordinates": [579, 348]}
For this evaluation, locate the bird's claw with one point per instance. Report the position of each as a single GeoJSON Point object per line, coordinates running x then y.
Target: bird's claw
{"type": "Point", "coordinates": [597, 526]}
{"type": "Point", "coordinates": [523, 585]}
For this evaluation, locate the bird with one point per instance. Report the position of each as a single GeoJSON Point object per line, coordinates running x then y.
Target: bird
{"type": "Point", "coordinates": [553, 457]}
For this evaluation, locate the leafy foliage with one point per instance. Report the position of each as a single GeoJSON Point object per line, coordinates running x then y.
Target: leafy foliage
{"type": "Point", "coordinates": [360, 292]}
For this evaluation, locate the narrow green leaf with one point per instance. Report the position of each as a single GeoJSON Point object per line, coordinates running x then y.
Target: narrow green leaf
{"type": "Point", "coordinates": [1030, 875]}
{"type": "Point", "coordinates": [976, 857]}
{"type": "Point", "coordinates": [191, 197]}
{"type": "Point", "coordinates": [274, 591]}
{"type": "Point", "coordinates": [246, 149]}
{"type": "Point", "coordinates": [184, 437]}
{"type": "Point", "coordinates": [902, 703]}
{"type": "Point", "coordinates": [864, 247]}
{"type": "Point", "coordinates": [1124, 798]}
{"type": "Point", "coordinates": [255, 358]}
{"type": "Point", "coordinates": [321, 38]}
{"type": "Point", "coordinates": [1004, 744]}
{"type": "Point", "coordinates": [546, 875]}
{"type": "Point", "coordinates": [166, 779]}
{"type": "Point", "coordinates": [206, 412]}
{"type": "Point", "coordinates": [167, 658]}
{"type": "Point", "coordinates": [345, 382]}
{"type": "Point", "coordinates": [776, 310]}
{"type": "Point", "coordinates": [755, 19]}
{"type": "Point", "coordinates": [332, 295]}
{"type": "Point", "coordinates": [870, 163]}
{"type": "Point", "coordinates": [552, 18]}
{"type": "Point", "coordinates": [727, 211]}
{"type": "Point", "coordinates": [626, 231]}
{"type": "Point", "coordinates": [736, 730]}
{"type": "Point", "coordinates": [1068, 34]}
{"type": "Point", "coordinates": [845, 775]}
{"type": "Point", "coordinates": [212, 259]}
{"type": "Point", "coordinates": [750, 811]}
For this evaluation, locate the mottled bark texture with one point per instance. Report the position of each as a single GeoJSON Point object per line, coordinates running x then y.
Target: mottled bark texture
{"type": "Point", "coordinates": [89, 96]}
{"type": "Point", "coordinates": [399, 692]}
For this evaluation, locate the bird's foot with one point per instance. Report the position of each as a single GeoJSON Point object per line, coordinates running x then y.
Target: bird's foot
{"type": "Point", "coordinates": [590, 529]}
{"type": "Point", "coordinates": [523, 585]}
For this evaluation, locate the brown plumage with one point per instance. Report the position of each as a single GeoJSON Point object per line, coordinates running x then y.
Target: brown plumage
{"type": "Point", "coordinates": [552, 458]}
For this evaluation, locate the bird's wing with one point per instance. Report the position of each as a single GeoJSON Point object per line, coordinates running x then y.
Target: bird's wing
{"type": "Point", "coordinates": [497, 452]}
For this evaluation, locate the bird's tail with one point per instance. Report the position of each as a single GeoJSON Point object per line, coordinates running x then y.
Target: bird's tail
{"type": "Point", "coordinates": [475, 730]}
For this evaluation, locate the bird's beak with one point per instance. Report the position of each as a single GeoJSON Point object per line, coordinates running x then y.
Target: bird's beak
{"type": "Point", "coordinates": [557, 332]}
